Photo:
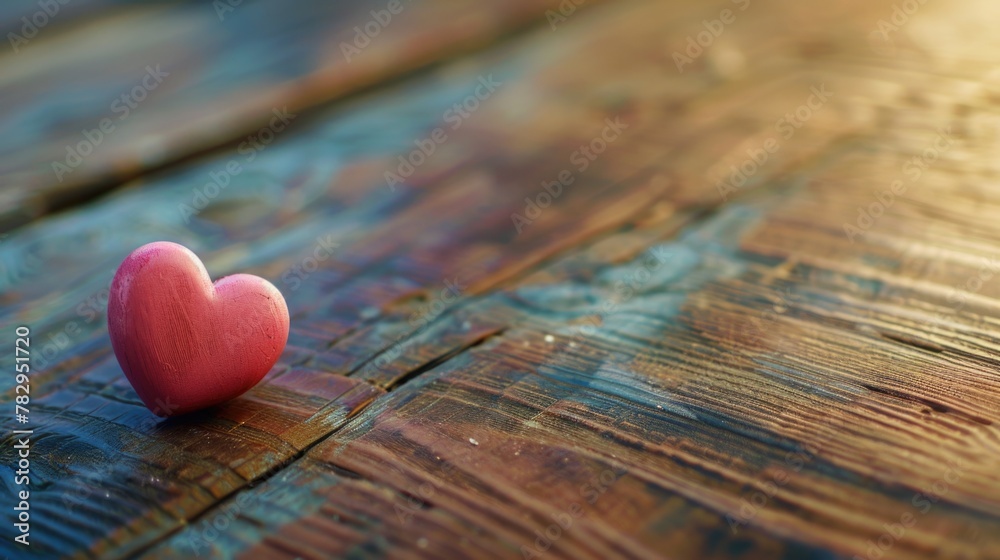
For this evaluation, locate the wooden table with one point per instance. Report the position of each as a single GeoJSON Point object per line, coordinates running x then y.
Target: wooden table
{"type": "Point", "coordinates": [628, 279]}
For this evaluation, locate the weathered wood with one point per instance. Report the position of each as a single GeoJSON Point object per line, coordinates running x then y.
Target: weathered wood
{"type": "Point", "coordinates": [747, 379]}
{"type": "Point", "coordinates": [204, 75]}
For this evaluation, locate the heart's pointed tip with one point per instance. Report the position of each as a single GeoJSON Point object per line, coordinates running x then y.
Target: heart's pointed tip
{"type": "Point", "coordinates": [192, 413]}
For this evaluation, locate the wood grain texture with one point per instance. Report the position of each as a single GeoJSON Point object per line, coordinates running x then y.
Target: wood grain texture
{"type": "Point", "coordinates": [657, 365]}
{"type": "Point", "coordinates": [218, 74]}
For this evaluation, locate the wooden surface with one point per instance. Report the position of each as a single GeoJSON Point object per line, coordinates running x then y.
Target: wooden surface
{"type": "Point", "coordinates": [667, 366]}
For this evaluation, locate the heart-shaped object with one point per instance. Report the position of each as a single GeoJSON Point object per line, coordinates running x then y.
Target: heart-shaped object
{"type": "Point", "coordinates": [184, 343]}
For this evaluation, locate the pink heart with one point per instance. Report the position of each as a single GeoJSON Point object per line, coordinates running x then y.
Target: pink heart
{"type": "Point", "coordinates": [184, 343]}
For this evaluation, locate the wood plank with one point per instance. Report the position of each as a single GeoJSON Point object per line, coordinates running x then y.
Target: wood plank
{"type": "Point", "coordinates": [172, 82]}
{"type": "Point", "coordinates": [751, 369]}
{"type": "Point", "coordinates": [769, 389]}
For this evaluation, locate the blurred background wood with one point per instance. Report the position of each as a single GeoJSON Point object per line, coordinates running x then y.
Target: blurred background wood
{"type": "Point", "coordinates": [758, 320]}
{"type": "Point", "coordinates": [221, 68]}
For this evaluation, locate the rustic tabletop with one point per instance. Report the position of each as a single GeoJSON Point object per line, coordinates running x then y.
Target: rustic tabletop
{"type": "Point", "coordinates": [619, 279]}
